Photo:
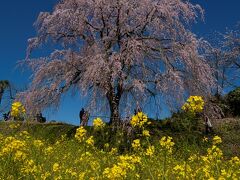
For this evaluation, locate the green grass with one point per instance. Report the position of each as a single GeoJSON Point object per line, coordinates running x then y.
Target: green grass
{"type": "Point", "coordinates": [51, 151]}
{"type": "Point", "coordinates": [227, 129]}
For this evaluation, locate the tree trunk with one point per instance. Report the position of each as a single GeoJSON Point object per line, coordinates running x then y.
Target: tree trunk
{"type": "Point", "coordinates": [1, 95]}
{"type": "Point", "coordinates": [114, 110]}
{"type": "Point", "coordinates": [114, 100]}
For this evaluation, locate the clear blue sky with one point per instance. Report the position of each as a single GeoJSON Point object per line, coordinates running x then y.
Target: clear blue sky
{"type": "Point", "coordinates": [16, 26]}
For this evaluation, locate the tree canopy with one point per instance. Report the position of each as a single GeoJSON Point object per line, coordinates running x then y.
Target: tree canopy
{"type": "Point", "coordinates": [121, 51]}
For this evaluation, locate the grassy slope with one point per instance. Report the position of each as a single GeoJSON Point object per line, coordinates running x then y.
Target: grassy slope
{"type": "Point", "coordinates": [227, 129]}
{"type": "Point", "coordinates": [47, 131]}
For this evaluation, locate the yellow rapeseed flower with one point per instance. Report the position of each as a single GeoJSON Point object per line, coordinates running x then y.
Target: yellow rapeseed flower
{"type": "Point", "coordinates": [136, 144]}
{"type": "Point", "coordinates": [90, 141]}
{"type": "Point", "coordinates": [98, 123]}
{"type": "Point", "coordinates": [106, 145]}
{"type": "Point", "coordinates": [45, 175]}
{"type": "Point", "coordinates": [55, 167]}
{"type": "Point", "coordinates": [235, 161]}
{"type": "Point", "coordinates": [116, 172]}
{"type": "Point", "coordinates": [125, 164]}
{"type": "Point", "coordinates": [20, 156]}
{"type": "Point", "coordinates": [12, 145]}
{"type": "Point", "coordinates": [167, 143]}
{"type": "Point", "coordinates": [150, 151]}
{"type": "Point", "coordinates": [146, 133]}
{"type": "Point", "coordinates": [139, 120]}
{"type": "Point", "coordinates": [17, 110]}
{"type": "Point", "coordinates": [29, 167]}
{"type": "Point", "coordinates": [71, 172]}
{"type": "Point", "coordinates": [113, 151]}
{"type": "Point", "coordinates": [217, 140]}
{"type": "Point", "coordinates": [194, 104]}
{"type": "Point", "coordinates": [205, 139]}
{"type": "Point", "coordinates": [38, 143]}
{"type": "Point", "coordinates": [48, 150]}
{"type": "Point", "coordinates": [80, 134]}
{"type": "Point", "coordinates": [14, 126]}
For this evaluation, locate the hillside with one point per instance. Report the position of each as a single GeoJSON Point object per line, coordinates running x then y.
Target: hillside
{"type": "Point", "coordinates": [46, 131]}
{"type": "Point", "coordinates": [228, 129]}
{"type": "Point", "coordinates": [156, 150]}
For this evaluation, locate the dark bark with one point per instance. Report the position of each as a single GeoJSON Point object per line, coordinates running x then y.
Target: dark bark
{"type": "Point", "coordinates": [1, 94]}
{"type": "Point", "coordinates": [114, 102]}
{"type": "Point", "coordinates": [114, 110]}
{"type": "Point", "coordinates": [3, 85]}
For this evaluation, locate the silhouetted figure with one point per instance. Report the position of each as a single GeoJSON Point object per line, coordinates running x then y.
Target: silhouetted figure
{"type": "Point", "coordinates": [40, 118]}
{"type": "Point", "coordinates": [6, 116]}
{"type": "Point", "coordinates": [85, 118]}
{"type": "Point", "coordinates": [208, 125]}
{"type": "Point", "coordinates": [81, 113]}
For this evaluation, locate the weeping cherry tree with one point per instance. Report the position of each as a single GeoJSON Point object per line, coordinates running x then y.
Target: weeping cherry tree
{"type": "Point", "coordinates": [119, 51]}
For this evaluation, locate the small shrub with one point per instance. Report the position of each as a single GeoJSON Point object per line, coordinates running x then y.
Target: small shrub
{"type": "Point", "coordinates": [233, 100]}
{"type": "Point", "coordinates": [185, 122]}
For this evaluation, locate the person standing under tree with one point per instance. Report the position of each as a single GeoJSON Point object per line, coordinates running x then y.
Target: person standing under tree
{"type": "Point", "coordinates": [208, 125]}
{"type": "Point", "coordinates": [138, 109]}
{"type": "Point", "coordinates": [81, 113]}
{"type": "Point", "coordinates": [6, 116]}
{"type": "Point", "coordinates": [85, 118]}
{"type": "Point", "coordinates": [40, 118]}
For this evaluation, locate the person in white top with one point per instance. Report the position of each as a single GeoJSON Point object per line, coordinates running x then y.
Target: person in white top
{"type": "Point", "coordinates": [138, 109]}
{"type": "Point", "coordinates": [208, 125]}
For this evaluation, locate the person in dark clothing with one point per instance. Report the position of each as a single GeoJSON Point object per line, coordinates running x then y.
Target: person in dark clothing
{"type": "Point", "coordinates": [6, 116]}
{"type": "Point", "coordinates": [81, 115]}
{"type": "Point", "coordinates": [40, 118]}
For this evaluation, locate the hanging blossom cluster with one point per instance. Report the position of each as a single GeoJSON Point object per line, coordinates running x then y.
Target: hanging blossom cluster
{"type": "Point", "coordinates": [194, 104]}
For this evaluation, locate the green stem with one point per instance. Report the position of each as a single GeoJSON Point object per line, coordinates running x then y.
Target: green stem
{"type": "Point", "coordinates": [164, 164]}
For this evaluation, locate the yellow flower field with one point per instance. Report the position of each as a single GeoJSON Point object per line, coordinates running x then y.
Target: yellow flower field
{"type": "Point", "coordinates": [25, 157]}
